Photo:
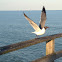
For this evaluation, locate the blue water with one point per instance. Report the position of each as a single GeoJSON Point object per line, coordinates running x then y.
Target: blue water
{"type": "Point", "coordinates": [15, 28]}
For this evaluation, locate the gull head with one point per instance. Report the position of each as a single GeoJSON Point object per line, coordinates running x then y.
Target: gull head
{"type": "Point", "coordinates": [46, 27]}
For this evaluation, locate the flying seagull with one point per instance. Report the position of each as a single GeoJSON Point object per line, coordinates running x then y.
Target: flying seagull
{"type": "Point", "coordinates": [39, 30]}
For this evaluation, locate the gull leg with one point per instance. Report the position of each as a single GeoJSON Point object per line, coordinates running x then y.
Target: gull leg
{"type": "Point", "coordinates": [36, 36]}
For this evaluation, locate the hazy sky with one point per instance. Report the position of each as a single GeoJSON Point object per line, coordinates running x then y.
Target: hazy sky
{"type": "Point", "coordinates": [30, 4]}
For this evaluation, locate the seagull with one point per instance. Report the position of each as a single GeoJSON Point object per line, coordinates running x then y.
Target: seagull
{"type": "Point", "coordinates": [39, 30]}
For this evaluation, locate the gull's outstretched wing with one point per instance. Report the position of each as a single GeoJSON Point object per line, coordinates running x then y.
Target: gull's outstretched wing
{"type": "Point", "coordinates": [33, 24]}
{"type": "Point", "coordinates": [43, 18]}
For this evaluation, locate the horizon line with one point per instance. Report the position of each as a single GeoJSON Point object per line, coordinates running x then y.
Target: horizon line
{"type": "Point", "coordinates": [24, 10]}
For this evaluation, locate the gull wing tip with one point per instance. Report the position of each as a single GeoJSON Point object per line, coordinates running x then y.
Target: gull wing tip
{"type": "Point", "coordinates": [43, 10]}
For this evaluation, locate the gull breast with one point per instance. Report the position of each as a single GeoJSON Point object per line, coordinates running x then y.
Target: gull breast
{"type": "Point", "coordinates": [40, 32]}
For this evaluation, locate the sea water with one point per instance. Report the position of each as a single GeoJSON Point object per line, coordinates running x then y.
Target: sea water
{"type": "Point", "coordinates": [15, 28]}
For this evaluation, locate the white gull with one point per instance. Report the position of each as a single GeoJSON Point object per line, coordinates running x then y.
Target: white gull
{"type": "Point", "coordinates": [39, 30]}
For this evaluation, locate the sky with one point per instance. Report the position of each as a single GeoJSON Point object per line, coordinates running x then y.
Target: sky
{"type": "Point", "coordinates": [30, 4]}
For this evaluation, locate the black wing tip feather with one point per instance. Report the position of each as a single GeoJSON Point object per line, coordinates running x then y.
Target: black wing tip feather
{"type": "Point", "coordinates": [43, 10]}
{"type": "Point", "coordinates": [24, 14]}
